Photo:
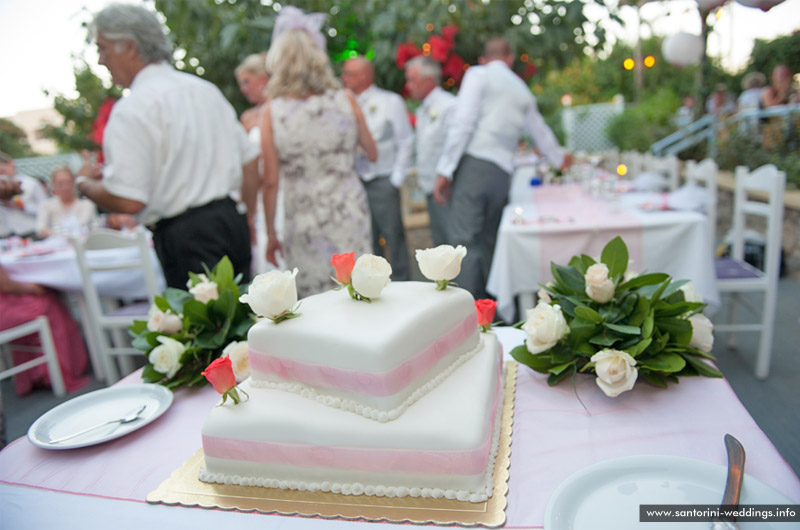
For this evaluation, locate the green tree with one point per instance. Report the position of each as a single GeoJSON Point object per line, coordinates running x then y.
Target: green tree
{"type": "Point", "coordinates": [767, 55]}
{"type": "Point", "coordinates": [79, 113]}
{"type": "Point", "coordinates": [13, 140]}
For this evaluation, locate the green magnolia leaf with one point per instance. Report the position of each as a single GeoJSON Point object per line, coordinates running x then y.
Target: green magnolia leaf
{"type": "Point", "coordinates": [674, 287]}
{"type": "Point", "coordinates": [610, 312]}
{"type": "Point", "coordinates": [587, 313]}
{"type": "Point", "coordinates": [663, 362]}
{"type": "Point", "coordinates": [702, 367]}
{"type": "Point", "coordinates": [664, 309]}
{"type": "Point", "coordinates": [648, 324]}
{"type": "Point", "coordinates": [571, 278]}
{"type": "Point", "coordinates": [539, 363]}
{"type": "Point", "coordinates": [639, 347]}
{"type": "Point", "coordinates": [197, 313]}
{"type": "Point", "coordinates": [615, 256]}
{"type": "Point", "coordinates": [140, 343]}
{"type": "Point", "coordinates": [138, 327]}
{"type": "Point", "coordinates": [604, 339]}
{"type": "Point", "coordinates": [626, 330]}
{"type": "Point", "coordinates": [640, 312]}
{"type": "Point", "coordinates": [560, 368]}
{"type": "Point", "coordinates": [679, 329]}
{"type": "Point", "coordinates": [654, 278]}
{"type": "Point", "coordinates": [222, 274]}
{"type": "Point", "coordinates": [581, 330]}
{"type": "Point", "coordinates": [151, 375]}
{"type": "Point", "coordinates": [585, 349]}
{"type": "Point", "coordinates": [554, 379]}
{"type": "Point", "coordinates": [654, 379]}
{"type": "Point", "coordinates": [162, 304]}
{"type": "Point", "coordinates": [177, 298]}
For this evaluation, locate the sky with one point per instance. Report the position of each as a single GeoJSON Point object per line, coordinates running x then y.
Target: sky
{"type": "Point", "coordinates": [40, 38]}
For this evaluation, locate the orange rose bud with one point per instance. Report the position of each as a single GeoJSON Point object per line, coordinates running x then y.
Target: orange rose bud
{"type": "Point", "coordinates": [486, 309]}
{"type": "Point", "coordinates": [343, 263]}
{"type": "Point", "coordinates": [220, 374]}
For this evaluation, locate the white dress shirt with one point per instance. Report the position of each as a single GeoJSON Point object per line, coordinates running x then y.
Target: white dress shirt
{"type": "Point", "coordinates": [493, 108]}
{"type": "Point", "coordinates": [14, 220]}
{"type": "Point", "coordinates": [433, 119]}
{"type": "Point", "coordinates": [173, 143]}
{"type": "Point", "coordinates": [387, 119]}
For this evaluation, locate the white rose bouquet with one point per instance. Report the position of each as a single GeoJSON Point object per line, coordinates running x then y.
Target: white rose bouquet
{"type": "Point", "coordinates": [187, 330]}
{"type": "Point", "coordinates": [594, 318]}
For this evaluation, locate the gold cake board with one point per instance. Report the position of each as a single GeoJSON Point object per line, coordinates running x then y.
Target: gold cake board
{"type": "Point", "coordinates": [185, 489]}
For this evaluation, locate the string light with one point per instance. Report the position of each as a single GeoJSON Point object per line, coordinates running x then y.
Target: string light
{"type": "Point", "coordinates": [628, 64]}
{"type": "Point", "coordinates": [622, 170]}
{"type": "Point", "coordinates": [649, 61]}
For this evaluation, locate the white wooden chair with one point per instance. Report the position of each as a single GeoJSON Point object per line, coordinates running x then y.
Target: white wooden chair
{"type": "Point", "coordinates": [668, 166]}
{"type": "Point", "coordinates": [705, 174]}
{"type": "Point", "coordinates": [735, 276]}
{"type": "Point", "coordinates": [49, 357]}
{"type": "Point", "coordinates": [105, 317]}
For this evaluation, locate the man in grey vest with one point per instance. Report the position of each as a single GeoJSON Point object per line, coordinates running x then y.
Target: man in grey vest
{"type": "Point", "coordinates": [494, 107]}
{"type": "Point", "coordinates": [387, 120]}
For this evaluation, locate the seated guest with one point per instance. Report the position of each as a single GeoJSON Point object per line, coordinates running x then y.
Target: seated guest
{"type": "Point", "coordinates": [23, 302]}
{"type": "Point", "coordinates": [780, 91]}
{"type": "Point", "coordinates": [64, 212]}
{"type": "Point", "coordinates": [18, 212]}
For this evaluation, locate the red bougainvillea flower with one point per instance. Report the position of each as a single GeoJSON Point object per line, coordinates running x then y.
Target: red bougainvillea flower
{"type": "Point", "coordinates": [440, 48]}
{"type": "Point", "coordinates": [343, 263]}
{"type": "Point", "coordinates": [449, 32]}
{"type": "Point", "coordinates": [453, 67]}
{"type": "Point", "coordinates": [530, 69]}
{"type": "Point", "coordinates": [405, 51]}
{"type": "Point", "coordinates": [486, 309]}
{"type": "Point", "coordinates": [220, 374]}
{"type": "Point", "coordinates": [99, 123]}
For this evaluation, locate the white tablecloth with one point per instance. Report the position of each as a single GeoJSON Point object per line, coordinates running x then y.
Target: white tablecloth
{"type": "Point", "coordinates": [562, 222]}
{"type": "Point", "coordinates": [52, 263]}
{"type": "Point", "coordinates": [553, 437]}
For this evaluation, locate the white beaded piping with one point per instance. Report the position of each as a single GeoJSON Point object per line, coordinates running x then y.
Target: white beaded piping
{"type": "Point", "coordinates": [381, 416]}
{"type": "Point", "coordinates": [358, 488]}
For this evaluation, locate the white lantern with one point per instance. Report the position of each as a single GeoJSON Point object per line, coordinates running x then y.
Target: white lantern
{"type": "Point", "coordinates": [764, 5]}
{"type": "Point", "coordinates": [683, 49]}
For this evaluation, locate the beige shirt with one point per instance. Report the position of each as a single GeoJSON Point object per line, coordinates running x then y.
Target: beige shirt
{"type": "Point", "coordinates": [56, 218]}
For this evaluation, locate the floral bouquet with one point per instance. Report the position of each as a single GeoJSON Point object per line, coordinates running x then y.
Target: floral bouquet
{"type": "Point", "coordinates": [187, 330]}
{"type": "Point", "coordinates": [599, 318]}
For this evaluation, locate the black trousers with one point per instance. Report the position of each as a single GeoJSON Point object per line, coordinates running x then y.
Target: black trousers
{"type": "Point", "coordinates": [202, 235]}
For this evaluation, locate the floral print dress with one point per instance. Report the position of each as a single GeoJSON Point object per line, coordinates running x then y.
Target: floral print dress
{"type": "Point", "coordinates": [325, 205]}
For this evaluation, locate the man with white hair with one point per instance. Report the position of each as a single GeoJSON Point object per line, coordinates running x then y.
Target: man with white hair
{"type": "Point", "coordinates": [423, 79]}
{"type": "Point", "coordinates": [174, 151]}
{"type": "Point", "coordinates": [387, 120]}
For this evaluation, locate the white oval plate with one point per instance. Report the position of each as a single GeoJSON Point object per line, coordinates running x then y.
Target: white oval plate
{"type": "Point", "coordinates": [607, 495]}
{"type": "Point", "coordinates": [96, 407]}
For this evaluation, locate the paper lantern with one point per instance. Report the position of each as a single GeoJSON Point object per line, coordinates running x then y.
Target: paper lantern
{"type": "Point", "coordinates": [763, 5]}
{"type": "Point", "coordinates": [683, 49]}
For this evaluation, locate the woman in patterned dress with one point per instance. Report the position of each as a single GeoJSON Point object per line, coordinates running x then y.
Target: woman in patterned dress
{"type": "Point", "coordinates": [310, 131]}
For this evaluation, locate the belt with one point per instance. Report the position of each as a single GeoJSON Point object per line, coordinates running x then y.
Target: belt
{"type": "Point", "coordinates": [164, 223]}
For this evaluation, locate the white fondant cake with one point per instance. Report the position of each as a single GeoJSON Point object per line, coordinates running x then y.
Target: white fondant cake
{"type": "Point", "coordinates": [444, 445]}
{"type": "Point", "coordinates": [374, 358]}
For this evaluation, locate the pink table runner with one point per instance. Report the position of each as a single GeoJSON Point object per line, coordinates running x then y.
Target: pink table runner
{"type": "Point", "coordinates": [553, 437]}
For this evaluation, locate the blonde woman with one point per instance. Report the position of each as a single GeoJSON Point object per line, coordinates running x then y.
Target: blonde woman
{"type": "Point", "coordinates": [310, 131]}
{"type": "Point", "coordinates": [64, 213]}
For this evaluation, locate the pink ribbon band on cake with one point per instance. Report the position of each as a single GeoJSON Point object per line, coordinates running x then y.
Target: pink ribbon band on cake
{"type": "Point", "coordinates": [464, 462]}
{"type": "Point", "coordinates": [372, 384]}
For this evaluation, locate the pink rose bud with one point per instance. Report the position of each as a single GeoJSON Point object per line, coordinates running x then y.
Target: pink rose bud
{"type": "Point", "coordinates": [220, 374]}
{"type": "Point", "coordinates": [486, 309]}
{"type": "Point", "coordinates": [343, 263]}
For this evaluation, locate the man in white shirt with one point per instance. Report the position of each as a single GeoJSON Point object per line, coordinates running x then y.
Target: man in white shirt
{"type": "Point", "coordinates": [494, 107]}
{"type": "Point", "coordinates": [387, 120]}
{"type": "Point", "coordinates": [433, 116]}
{"type": "Point", "coordinates": [174, 151]}
{"type": "Point", "coordinates": [18, 213]}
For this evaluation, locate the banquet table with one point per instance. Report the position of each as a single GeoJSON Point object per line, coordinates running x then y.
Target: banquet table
{"type": "Point", "coordinates": [553, 223]}
{"type": "Point", "coordinates": [554, 435]}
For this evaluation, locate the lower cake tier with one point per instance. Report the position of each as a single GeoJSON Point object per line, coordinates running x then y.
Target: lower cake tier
{"type": "Point", "coordinates": [442, 446]}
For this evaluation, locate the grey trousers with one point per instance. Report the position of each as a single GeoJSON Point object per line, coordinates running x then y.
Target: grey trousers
{"type": "Point", "coordinates": [387, 222]}
{"type": "Point", "coordinates": [479, 193]}
{"type": "Point", "coordinates": [439, 220]}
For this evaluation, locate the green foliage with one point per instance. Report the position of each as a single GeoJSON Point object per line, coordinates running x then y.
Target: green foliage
{"type": "Point", "coordinates": [13, 140]}
{"type": "Point", "coordinates": [639, 126]}
{"type": "Point", "coordinates": [207, 327]}
{"type": "Point", "coordinates": [80, 113]}
{"type": "Point", "coordinates": [646, 318]}
{"type": "Point", "coordinates": [767, 55]}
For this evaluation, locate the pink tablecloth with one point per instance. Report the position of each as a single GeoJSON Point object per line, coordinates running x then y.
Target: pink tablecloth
{"type": "Point", "coordinates": [554, 436]}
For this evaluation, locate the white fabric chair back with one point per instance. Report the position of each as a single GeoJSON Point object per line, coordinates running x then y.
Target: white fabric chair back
{"type": "Point", "coordinates": [49, 356]}
{"type": "Point", "coordinates": [705, 174]}
{"type": "Point", "coordinates": [105, 315]}
{"type": "Point", "coordinates": [758, 193]}
{"type": "Point", "coordinates": [668, 166]}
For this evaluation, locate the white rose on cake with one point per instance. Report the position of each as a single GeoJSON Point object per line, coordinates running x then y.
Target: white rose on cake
{"type": "Point", "coordinates": [616, 371]}
{"type": "Point", "coordinates": [273, 295]}
{"type": "Point", "coordinates": [205, 290]}
{"type": "Point", "coordinates": [545, 326]}
{"type": "Point", "coordinates": [166, 358]}
{"type": "Point", "coordinates": [441, 264]}
{"type": "Point", "coordinates": [599, 287]}
{"type": "Point", "coordinates": [237, 352]}
{"type": "Point", "coordinates": [370, 275]}
{"type": "Point", "coordinates": [161, 322]}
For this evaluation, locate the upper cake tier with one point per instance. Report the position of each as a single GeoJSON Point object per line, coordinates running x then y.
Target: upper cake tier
{"type": "Point", "coordinates": [373, 359]}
